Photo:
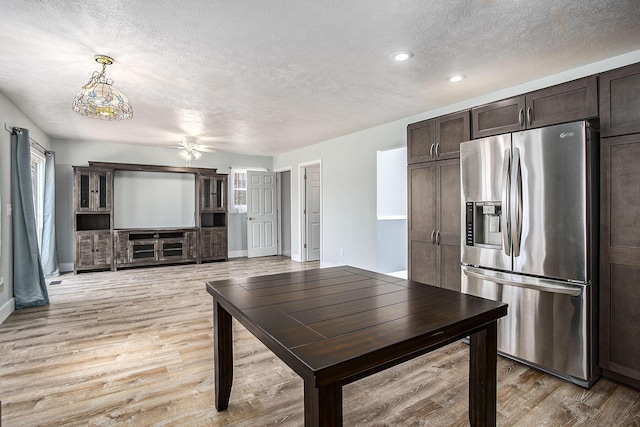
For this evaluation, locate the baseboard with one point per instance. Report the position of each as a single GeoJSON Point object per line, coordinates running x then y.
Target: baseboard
{"type": "Point", "coordinates": [65, 267]}
{"type": "Point", "coordinates": [237, 254]}
{"type": "Point", "coordinates": [6, 310]}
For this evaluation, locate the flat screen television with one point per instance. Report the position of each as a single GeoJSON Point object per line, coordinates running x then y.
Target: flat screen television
{"type": "Point", "coordinates": [153, 199]}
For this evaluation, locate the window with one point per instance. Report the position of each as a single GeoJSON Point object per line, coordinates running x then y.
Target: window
{"type": "Point", "coordinates": [238, 183]}
{"type": "Point", "coordinates": [37, 185]}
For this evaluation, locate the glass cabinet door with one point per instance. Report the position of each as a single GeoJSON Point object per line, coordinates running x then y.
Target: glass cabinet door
{"type": "Point", "coordinates": [84, 193]}
{"type": "Point", "coordinates": [206, 193]}
{"type": "Point", "coordinates": [220, 194]}
{"type": "Point", "coordinates": [103, 193]}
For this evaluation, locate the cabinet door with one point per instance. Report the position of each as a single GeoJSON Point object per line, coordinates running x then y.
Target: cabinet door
{"type": "Point", "coordinates": [93, 250]}
{"type": "Point", "coordinates": [84, 251]}
{"type": "Point", "coordinates": [206, 243]}
{"type": "Point", "coordinates": [103, 249]}
{"type": "Point", "coordinates": [83, 190]}
{"type": "Point", "coordinates": [93, 190]}
{"type": "Point", "coordinates": [620, 258]}
{"type": "Point", "coordinates": [619, 101]}
{"type": "Point", "coordinates": [220, 193]}
{"type": "Point", "coordinates": [498, 117]}
{"type": "Point", "coordinates": [421, 141]}
{"type": "Point", "coordinates": [563, 103]}
{"type": "Point", "coordinates": [101, 183]}
{"type": "Point", "coordinates": [422, 224]}
{"type": "Point", "coordinates": [220, 243]}
{"type": "Point", "coordinates": [451, 130]}
{"type": "Point", "coordinates": [207, 192]}
{"type": "Point", "coordinates": [448, 207]}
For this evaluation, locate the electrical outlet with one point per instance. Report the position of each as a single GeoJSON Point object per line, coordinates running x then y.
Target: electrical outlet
{"type": "Point", "coordinates": [341, 252]}
{"type": "Point", "coordinates": [9, 209]}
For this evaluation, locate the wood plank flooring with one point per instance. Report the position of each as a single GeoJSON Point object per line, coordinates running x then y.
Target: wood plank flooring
{"type": "Point", "coordinates": [134, 348]}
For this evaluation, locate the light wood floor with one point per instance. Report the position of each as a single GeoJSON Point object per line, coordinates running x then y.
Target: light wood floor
{"type": "Point", "coordinates": [134, 347]}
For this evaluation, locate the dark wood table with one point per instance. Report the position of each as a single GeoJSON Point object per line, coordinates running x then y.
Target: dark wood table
{"type": "Point", "coordinates": [336, 325]}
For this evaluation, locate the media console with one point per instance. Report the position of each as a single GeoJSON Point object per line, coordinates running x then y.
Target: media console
{"type": "Point", "coordinates": [100, 246]}
{"type": "Point", "coordinates": [155, 246]}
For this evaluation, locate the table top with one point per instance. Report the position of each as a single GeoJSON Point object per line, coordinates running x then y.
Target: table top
{"type": "Point", "coordinates": [340, 324]}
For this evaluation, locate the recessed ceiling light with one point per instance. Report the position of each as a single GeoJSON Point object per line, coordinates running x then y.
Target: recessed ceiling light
{"type": "Point", "coordinates": [401, 55]}
{"type": "Point", "coordinates": [455, 78]}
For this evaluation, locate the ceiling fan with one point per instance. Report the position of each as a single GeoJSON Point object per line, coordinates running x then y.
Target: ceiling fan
{"type": "Point", "coordinates": [190, 148]}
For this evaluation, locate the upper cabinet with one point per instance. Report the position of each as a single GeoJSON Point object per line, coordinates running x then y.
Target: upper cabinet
{"type": "Point", "coordinates": [94, 188]}
{"type": "Point", "coordinates": [213, 196]}
{"type": "Point", "coordinates": [438, 138]}
{"type": "Point", "coordinates": [620, 101]}
{"type": "Point", "coordinates": [566, 102]}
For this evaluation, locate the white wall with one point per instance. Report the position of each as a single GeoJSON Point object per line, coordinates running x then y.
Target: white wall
{"type": "Point", "coordinates": [78, 153]}
{"type": "Point", "coordinates": [11, 117]}
{"type": "Point", "coordinates": [349, 172]}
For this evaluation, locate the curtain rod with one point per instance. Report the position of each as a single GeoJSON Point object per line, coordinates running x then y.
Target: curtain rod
{"type": "Point", "coordinates": [33, 142]}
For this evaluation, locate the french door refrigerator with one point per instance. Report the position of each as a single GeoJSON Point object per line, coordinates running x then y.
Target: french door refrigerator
{"type": "Point", "coordinates": [529, 225]}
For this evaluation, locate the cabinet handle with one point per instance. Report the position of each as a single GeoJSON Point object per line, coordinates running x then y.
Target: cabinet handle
{"type": "Point", "coordinates": [433, 236]}
{"type": "Point", "coordinates": [529, 115]}
{"type": "Point", "coordinates": [438, 238]}
{"type": "Point", "coordinates": [521, 117]}
{"type": "Point", "coordinates": [437, 149]}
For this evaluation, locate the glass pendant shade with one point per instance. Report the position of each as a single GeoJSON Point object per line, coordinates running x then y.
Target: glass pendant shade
{"type": "Point", "coordinates": [99, 99]}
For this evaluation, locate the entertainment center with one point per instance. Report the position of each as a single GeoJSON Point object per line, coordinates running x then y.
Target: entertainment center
{"type": "Point", "coordinates": [178, 227]}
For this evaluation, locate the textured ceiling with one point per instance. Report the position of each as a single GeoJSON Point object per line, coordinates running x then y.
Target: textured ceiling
{"type": "Point", "coordinates": [266, 77]}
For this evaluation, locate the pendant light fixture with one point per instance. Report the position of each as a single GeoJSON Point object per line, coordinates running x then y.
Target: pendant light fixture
{"type": "Point", "coordinates": [99, 99]}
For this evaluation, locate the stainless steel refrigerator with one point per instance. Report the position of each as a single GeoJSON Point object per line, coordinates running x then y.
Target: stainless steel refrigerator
{"type": "Point", "coordinates": [529, 225]}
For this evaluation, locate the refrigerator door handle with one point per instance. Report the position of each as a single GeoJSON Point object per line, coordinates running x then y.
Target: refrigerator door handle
{"type": "Point", "coordinates": [516, 203]}
{"type": "Point", "coordinates": [544, 285]}
{"type": "Point", "coordinates": [505, 217]}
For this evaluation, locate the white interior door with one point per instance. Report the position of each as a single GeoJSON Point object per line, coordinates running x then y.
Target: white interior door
{"type": "Point", "coordinates": [312, 212]}
{"type": "Point", "coordinates": [262, 225]}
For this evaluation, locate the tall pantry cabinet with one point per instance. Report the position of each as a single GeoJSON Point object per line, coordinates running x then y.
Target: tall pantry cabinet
{"type": "Point", "coordinates": [619, 225]}
{"type": "Point", "coordinates": [433, 174]}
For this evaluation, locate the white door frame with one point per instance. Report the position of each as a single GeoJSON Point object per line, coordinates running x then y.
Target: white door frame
{"type": "Point", "coordinates": [279, 203]}
{"type": "Point", "coordinates": [301, 199]}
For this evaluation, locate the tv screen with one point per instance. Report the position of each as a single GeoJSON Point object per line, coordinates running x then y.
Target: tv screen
{"type": "Point", "coordinates": [154, 199]}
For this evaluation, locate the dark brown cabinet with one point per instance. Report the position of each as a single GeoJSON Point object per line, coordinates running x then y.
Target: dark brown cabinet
{"type": "Point", "coordinates": [93, 250]}
{"type": "Point", "coordinates": [566, 102]}
{"type": "Point", "coordinates": [213, 217]}
{"type": "Point", "coordinates": [620, 101]}
{"type": "Point", "coordinates": [434, 223]}
{"type": "Point", "coordinates": [438, 138]}
{"type": "Point", "coordinates": [620, 259]}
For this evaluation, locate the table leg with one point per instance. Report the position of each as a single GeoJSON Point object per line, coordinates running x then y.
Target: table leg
{"type": "Point", "coordinates": [322, 406]}
{"type": "Point", "coordinates": [483, 376]}
{"type": "Point", "coordinates": [223, 355]}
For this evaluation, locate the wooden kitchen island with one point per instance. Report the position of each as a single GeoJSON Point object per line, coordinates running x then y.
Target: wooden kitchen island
{"type": "Point", "coordinates": [336, 325]}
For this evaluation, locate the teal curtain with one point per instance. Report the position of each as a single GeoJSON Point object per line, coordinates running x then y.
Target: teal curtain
{"type": "Point", "coordinates": [29, 286]}
{"type": "Point", "coordinates": [48, 249]}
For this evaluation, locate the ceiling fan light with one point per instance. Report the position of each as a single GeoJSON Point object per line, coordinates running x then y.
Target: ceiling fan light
{"type": "Point", "coordinates": [196, 155]}
{"type": "Point", "coordinates": [185, 154]}
{"type": "Point", "coordinates": [99, 99]}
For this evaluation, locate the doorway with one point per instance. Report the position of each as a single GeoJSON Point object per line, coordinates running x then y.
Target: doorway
{"type": "Point", "coordinates": [283, 179]}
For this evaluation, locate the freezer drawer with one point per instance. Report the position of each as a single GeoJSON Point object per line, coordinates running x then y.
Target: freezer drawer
{"type": "Point", "coordinates": [548, 325]}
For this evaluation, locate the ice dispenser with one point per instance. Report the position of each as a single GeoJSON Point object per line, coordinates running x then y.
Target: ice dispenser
{"type": "Point", "coordinates": [483, 225]}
